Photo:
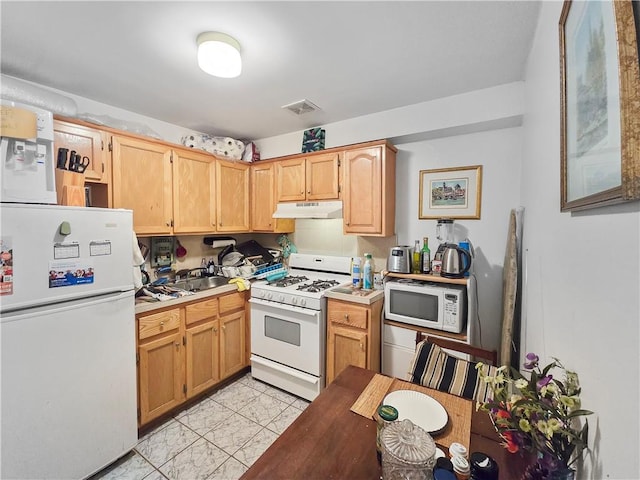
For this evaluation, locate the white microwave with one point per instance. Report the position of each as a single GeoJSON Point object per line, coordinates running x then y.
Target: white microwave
{"type": "Point", "coordinates": [439, 306]}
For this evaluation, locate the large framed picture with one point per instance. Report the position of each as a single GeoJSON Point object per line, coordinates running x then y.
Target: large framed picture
{"type": "Point", "coordinates": [600, 104]}
{"type": "Point", "coordinates": [451, 193]}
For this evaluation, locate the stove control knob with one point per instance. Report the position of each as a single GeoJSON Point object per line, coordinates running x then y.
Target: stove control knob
{"type": "Point", "coordinates": [294, 300]}
{"type": "Point", "coordinates": [281, 298]}
{"type": "Point", "coordinates": [260, 294]}
{"type": "Point", "coordinates": [303, 302]}
{"type": "Point", "coordinates": [269, 296]}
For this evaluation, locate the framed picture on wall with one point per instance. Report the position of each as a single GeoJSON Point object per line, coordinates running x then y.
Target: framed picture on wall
{"type": "Point", "coordinates": [451, 193]}
{"type": "Point", "coordinates": [600, 104]}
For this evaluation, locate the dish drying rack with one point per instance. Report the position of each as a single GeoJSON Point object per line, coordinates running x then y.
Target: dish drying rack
{"type": "Point", "coordinates": [271, 273]}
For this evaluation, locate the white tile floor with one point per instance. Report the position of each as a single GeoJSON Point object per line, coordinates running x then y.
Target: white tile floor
{"type": "Point", "coordinates": [218, 438]}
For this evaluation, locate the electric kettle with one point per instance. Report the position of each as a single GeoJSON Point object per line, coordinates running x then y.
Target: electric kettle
{"type": "Point", "coordinates": [456, 261]}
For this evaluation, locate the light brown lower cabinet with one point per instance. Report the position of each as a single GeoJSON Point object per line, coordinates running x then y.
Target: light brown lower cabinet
{"type": "Point", "coordinates": [353, 336]}
{"type": "Point", "coordinates": [186, 350]}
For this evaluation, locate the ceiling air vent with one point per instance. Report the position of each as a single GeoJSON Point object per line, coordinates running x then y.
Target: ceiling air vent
{"type": "Point", "coordinates": [301, 107]}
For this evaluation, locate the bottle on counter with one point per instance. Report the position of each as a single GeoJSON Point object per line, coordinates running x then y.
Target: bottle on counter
{"type": "Point", "coordinates": [355, 273]}
{"type": "Point", "coordinates": [417, 258]}
{"type": "Point", "coordinates": [367, 272]}
{"type": "Point", "coordinates": [426, 256]}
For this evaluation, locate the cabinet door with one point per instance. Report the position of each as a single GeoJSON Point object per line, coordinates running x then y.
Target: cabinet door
{"type": "Point", "coordinates": [262, 197]}
{"type": "Point", "coordinates": [193, 187]}
{"type": "Point", "coordinates": [232, 354]}
{"type": "Point", "coordinates": [142, 183]}
{"type": "Point", "coordinates": [363, 191]}
{"type": "Point", "coordinates": [263, 201]}
{"type": "Point", "coordinates": [291, 180]}
{"type": "Point", "coordinates": [345, 346]}
{"type": "Point", "coordinates": [322, 177]}
{"type": "Point", "coordinates": [161, 376]}
{"type": "Point", "coordinates": [87, 142]}
{"type": "Point", "coordinates": [232, 196]}
{"type": "Point", "coordinates": [202, 351]}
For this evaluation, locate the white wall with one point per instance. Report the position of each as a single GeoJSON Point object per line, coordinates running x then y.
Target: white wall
{"type": "Point", "coordinates": [499, 153]}
{"type": "Point", "coordinates": [582, 284]}
{"type": "Point", "coordinates": [437, 135]}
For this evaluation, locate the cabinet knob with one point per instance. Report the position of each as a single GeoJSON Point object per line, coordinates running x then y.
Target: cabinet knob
{"type": "Point", "coordinates": [178, 344]}
{"type": "Point", "coordinates": [161, 324]}
{"type": "Point", "coordinates": [362, 347]}
{"type": "Point", "coordinates": [346, 317]}
{"type": "Point", "coordinates": [224, 328]}
{"type": "Point", "coordinates": [168, 224]}
{"type": "Point", "coordinates": [308, 191]}
{"type": "Point", "coordinates": [220, 224]}
{"type": "Point", "coordinates": [302, 192]}
{"type": "Point", "coordinates": [215, 330]}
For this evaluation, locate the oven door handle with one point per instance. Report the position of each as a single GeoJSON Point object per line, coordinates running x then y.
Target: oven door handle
{"type": "Point", "coordinates": [266, 303]}
{"type": "Point", "coordinates": [288, 371]}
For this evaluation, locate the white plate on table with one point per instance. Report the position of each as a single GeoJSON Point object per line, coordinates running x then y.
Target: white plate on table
{"type": "Point", "coordinates": [421, 409]}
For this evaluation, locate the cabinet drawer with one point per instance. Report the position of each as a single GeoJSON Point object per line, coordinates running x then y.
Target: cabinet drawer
{"type": "Point", "coordinates": [156, 323]}
{"type": "Point", "coordinates": [201, 310]}
{"type": "Point", "coordinates": [348, 315]}
{"type": "Point", "coordinates": [229, 303]}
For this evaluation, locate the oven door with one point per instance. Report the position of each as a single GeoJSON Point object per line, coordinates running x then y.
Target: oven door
{"type": "Point", "coordinates": [289, 335]}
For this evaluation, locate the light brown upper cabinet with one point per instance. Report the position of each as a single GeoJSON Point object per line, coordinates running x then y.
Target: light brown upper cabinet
{"type": "Point", "coordinates": [169, 190]}
{"type": "Point", "coordinates": [309, 178]}
{"type": "Point", "coordinates": [370, 190]}
{"type": "Point", "coordinates": [142, 183]}
{"type": "Point", "coordinates": [263, 201]}
{"type": "Point", "coordinates": [232, 196]}
{"type": "Point", "coordinates": [87, 142]}
{"type": "Point", "coordinates": [193, 192]}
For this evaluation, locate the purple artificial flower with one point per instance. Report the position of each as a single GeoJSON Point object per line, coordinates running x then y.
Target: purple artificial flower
{"type": "Point", "coordinates": [544, 381]}
{"type": "Point", "coordinates": [532, 361]}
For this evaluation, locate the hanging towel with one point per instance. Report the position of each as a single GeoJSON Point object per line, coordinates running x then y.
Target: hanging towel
{"type": "Point", "coordinates": [138, 260]}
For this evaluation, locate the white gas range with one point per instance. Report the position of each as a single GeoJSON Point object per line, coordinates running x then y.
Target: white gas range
{"type": "Point", "coordinates": [288, 323]}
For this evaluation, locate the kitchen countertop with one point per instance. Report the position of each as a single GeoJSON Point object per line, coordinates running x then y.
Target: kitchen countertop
{"type": "Point", "coordinates": [356, 295]}
{"type": "Point", "coordinates": [143, 307]}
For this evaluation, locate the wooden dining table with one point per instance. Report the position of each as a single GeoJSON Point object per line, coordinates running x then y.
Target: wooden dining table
{"type": "Point", "coordinates": [329, 440]}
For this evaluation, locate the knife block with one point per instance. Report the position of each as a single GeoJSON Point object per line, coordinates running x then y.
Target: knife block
{"type": "Point", "coordinates": [70, 188]}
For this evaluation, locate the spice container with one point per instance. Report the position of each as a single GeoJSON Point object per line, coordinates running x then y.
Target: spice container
{"type": "Point", "coordinates": [383, 417]}
{"type": "Point", "coordinates": [408, 452]}
{"type": "Point", "coordinates": [457, 449]}
{"type": "Point", "coordinates": [483, 467]}
{"type": "Point", "coordinates": [461, 467]}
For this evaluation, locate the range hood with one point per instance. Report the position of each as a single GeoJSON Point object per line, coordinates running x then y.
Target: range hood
{"type": "Point", "coordinates": [332, 209]}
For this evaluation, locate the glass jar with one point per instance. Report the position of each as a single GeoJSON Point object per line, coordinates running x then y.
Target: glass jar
{"type": "Point", "coordinates": [385, 414]}
{"type": "Point", "coordinates": [408, 452]}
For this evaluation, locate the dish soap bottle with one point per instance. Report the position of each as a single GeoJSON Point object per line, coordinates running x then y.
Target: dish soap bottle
{"type": "Point", "coordinates": [416, 266]}
{"type": "Point", "coordinates": [426, 256]}
{"type": "Point", "coordinates": [367, 272]}
{"type": "Point", "coordinates": [355, 273]}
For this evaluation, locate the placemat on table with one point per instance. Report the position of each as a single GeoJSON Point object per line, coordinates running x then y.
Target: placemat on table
{"type": "Point", "coordinates": [458, 409]}
{"type": "Point", "coordinates": [372, 395]}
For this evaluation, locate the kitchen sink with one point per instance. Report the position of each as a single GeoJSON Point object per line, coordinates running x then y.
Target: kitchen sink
{"type": "Point", "coordinates": [202, 283]}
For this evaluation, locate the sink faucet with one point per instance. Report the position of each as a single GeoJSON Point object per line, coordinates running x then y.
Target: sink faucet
{"type": "Point", "coordinates": [187, 272]}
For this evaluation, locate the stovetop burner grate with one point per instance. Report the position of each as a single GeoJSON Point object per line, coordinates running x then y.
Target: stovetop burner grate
{"type": "Point", "coordinates": [317, 285]}
{"type": "Point", "coordinates": [288, 281]}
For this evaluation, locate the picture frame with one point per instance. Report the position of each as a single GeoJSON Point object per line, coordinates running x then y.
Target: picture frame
{"type": "Point", "coordinates": [600, 104]}
{"type": "Point", "coordinates": [454, 193]}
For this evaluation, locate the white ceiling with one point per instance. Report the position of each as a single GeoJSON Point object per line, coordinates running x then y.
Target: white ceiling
{"type": "Point", "coordinates": [349, 58]}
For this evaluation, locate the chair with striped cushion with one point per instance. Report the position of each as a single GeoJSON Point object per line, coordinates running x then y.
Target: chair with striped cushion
{"type": "Point", "coordinates": [434, 368]}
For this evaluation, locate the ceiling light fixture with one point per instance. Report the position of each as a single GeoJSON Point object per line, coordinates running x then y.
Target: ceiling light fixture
{"type": "Point", "coordinates": [219, 54]}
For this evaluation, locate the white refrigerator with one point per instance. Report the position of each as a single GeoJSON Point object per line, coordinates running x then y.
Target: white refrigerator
{"type": "Point", "coordinates": [68, 364]}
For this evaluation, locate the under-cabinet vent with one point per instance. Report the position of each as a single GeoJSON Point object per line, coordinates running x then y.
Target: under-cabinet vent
{"type": "Point", "coordinates": [301, 107]}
